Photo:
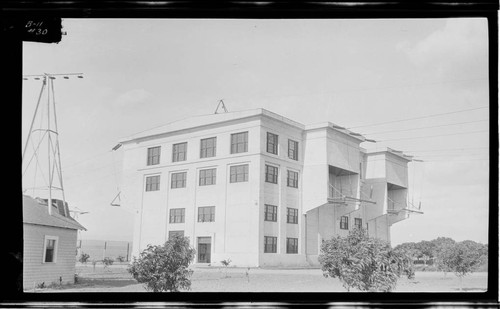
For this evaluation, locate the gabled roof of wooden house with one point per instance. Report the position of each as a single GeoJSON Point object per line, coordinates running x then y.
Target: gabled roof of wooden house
{"type": "Point", "coordinates": [35, 212]}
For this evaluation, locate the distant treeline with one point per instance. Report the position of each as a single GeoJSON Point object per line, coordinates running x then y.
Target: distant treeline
{"type": "Point", "coordinates": [427, 255]}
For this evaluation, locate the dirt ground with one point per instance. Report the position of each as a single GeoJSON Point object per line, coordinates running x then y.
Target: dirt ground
{"type": "Point", "coordinates": [217, 279]}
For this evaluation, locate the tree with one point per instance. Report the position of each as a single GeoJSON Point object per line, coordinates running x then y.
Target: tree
{"type": "Point", "coordinates": [364, 263]}
{"type": "Point", "coordinates": [165, 268]}
{"type": "Point", "coordinates": [464, 258]}
{"type": "Point", "coordinates": [443, 246]}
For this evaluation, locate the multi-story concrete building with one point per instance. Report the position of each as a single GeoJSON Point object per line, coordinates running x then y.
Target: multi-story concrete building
{"type": "Point", "coordinates": [258, 188]}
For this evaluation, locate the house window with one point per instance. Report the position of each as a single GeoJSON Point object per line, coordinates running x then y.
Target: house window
{"type": "Point", "coordinates": [238, 173]}
{"type": "Point", "coordinates": [207, 177]}
{"type": "Point", "coordinates": [272, 143]}
{"type": "Point", "coordinates": [50, 249]}
{"type": "Point", "coordinates": [358, 223]}
{"type": "Point", "coordinates": [179, 152]}
{"type": "Point", "coordinates": [271, 213]}
{"type": "Point", "coordinates": [172, 234]}
{"type": "Point", "coordinates": [292, 245]}
{"type": "Point", "coordinates": [344, 223]}
{"type": "Point", "coordinates": [293, 150]}
{"type": "Point", "coordinates": [208, 147]}
{"type": "Point", "coordinates": [270, 244]}
{"type": "Point", "coordinates": [177, 215]}
{"type": "Point", "coordinates": [239, 142]}
{"type": "Point", "coordinates": [154, 155]}
{"type": "Point", "coordinates": [178, 180]}
{"type": "Point", "coordinates": [206, 214]}
{"type": "Point", "coordinates": [271, 174]}
{"type": "Point", "coordinates": [153, 183]}
{"type": "Point", "coordinates": [292, 215]}
{"type": "Point", "coordinates": [292, 179]}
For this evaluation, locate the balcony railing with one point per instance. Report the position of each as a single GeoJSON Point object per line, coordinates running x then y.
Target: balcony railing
{"type": "Point", "coordinates": [344, 196]}
{"type": "Point", "coordinates": [394, 208]}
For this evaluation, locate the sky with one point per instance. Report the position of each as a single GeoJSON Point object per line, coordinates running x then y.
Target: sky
{"type": "Point", "coordinates": [417, 85]}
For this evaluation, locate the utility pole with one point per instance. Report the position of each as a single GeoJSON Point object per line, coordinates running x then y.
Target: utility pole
{"type": "Point", "coordinates": [44, 125]}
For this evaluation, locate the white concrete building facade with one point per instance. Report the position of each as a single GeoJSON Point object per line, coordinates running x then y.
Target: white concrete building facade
{"type": "Point", "coordinates": [258, 188]}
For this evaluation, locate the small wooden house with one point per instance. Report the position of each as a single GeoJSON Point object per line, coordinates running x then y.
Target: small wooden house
{"type": "Point", "coordinates": [49, 252]}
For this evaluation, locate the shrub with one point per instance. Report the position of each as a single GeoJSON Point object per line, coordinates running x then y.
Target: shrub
{"type": "Point", "coordinates": [84, 257]}
{"type": "Point", "coordinates": [120, 259]}
{"type": "Point", "coordinates": [107, 262]}
{"type": "Point", "coordinates": [363, 263]}
{"type": "Point", "coordinates": [164, 268]}
{"type": "Point", "coordinates": [226, 263]}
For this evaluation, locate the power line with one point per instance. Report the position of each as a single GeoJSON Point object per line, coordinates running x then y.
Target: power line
{"type": "Point", "coordinates": [406, 138]}
{"type": "Point", "coordinates": [421, 117]}
{"type": "Point", "coordinates": [450, 160]}
{"type": "Point", "coordinates": [448, 149]}
{"type": "Point", "coordinates": [426, 127]}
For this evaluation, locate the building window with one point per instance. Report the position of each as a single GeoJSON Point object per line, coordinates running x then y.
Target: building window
{"type": "Point", "coordinates": [270, 244]}
{"type": "Point", "coordinates": [238, 173]}
{"type": "Point", "coordinates": [292, 245]}
{"type": "Point", "coordinates": [206, 214]}
{"type": "Point", "coordinates": [292, 179]}
{"type": "Point", "coordinates": [50, 249]}
{"type": "Point", "coordinates": [344, 223]}
{"type": "Point", "coordinates": [292, 215]}
{"type": "Point", "coordinates": [358, 223]}
{"type": "Point", "coordinates": [207, 177]}
{"type": "Point", "coordinates": [172, 234]}
{"type": "Point", "coordinates": [153, 183]}
{"type": "Point", "coordinates": [293, 150]}
{"type": "Point", "coordinates": [239, 142]}
{"type": "Point", "coordinates": [272, 143]}
{"type": "Point", "coordinates": [178, 180]}
{"type": "Point", "coordinates": [208, 147]}
{"type": "Point", "coordinates": [179, 152]}
{"type": "Point", "coordinates": [177, 215]}
{"type": "Point", "coordinates": [271, 213]}
{"type": "Point", "coordinates": [154, 155]}
{"type": "Point", "coordinates": [271, 174]}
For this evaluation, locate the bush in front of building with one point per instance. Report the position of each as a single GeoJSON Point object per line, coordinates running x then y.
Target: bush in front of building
{"type": "Point", "coordinates": [364, 263]}
{"type": "Point", "coordinates": [107, 262]}
{"type": "Point", "coordinates": [165, 268]}
{"type": "Point", "coordinates": [84, 257]}
{"type": "Point", "coordinates": [120, 259]}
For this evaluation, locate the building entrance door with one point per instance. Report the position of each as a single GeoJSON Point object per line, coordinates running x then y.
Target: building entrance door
{"type": "Point", "coordinates": [204, 248]}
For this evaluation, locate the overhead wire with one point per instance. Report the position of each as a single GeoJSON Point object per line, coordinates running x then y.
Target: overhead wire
{"type": "Point", "coordinates": [426, 127]}
{"type": "Point", "coordinates": [427, 136]}
{"type": "Point", "coordinates": [421, 117]}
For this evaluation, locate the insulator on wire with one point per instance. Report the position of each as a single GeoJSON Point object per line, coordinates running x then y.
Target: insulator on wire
{"type": "Point", "coordinates": [79, 76]}
{"type": "Point", "coordinates": [66, 77]}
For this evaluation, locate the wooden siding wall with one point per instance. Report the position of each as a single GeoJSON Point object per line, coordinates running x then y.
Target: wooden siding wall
{"type": "Point", "coordinates": [34, 270]}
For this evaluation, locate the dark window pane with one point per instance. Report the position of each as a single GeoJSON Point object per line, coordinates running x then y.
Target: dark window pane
{"type": "Point", "coordinates": [239, 142]}
{"type": "Point", "coordinates": [293, 150]}
{"type": "Point", "coordinates": [208, 147]}
{"type": "Point", "coordinates": [179, 152]}
{"type": "Point", "coordinates": [153, 155]}
{"type": "Point", "coordinates": [153, 183]}
{"type": "Point", "coordinates": [272, 143]}
{"type": "Point", "coordinates": [238, 173]}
